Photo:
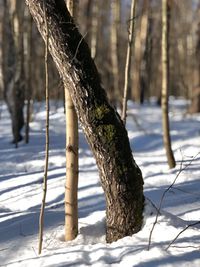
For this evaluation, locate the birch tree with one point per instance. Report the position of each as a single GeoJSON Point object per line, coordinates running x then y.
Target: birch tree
{"type": "Point", "coordinates": [139, 49]}
{"type": "Point", "coordinates": [71, 187]}
{"type": "Point", "coordinates": [115, 12]}
{"type": "Point", "coordinates": [165, 83]}
{"type": "Point", "coordinates": [128, 59]}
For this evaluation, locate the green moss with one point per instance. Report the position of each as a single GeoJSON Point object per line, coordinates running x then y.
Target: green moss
{"type": "Point", "coordinates": [107, 132]}
{"type": "Point", "coordinates": [101, 111]}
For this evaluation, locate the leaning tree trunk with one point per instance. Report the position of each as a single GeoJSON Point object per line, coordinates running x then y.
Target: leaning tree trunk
{"type": "Point", "coordinates": [165, 83]}
{"type": "Point", "coordinates": [120, 176]}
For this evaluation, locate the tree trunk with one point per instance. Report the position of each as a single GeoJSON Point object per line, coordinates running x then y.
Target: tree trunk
{"type": "Point", "coordinates": [195, 103]}
{"type": "Point", "coordinates": [165, 83]}
{"type": "Point", "coordinates": [71, 186]}
{"type": "Point", "coordinates": [140, 39]}
{"type": "Point", "coordinates": [120, 176]}
{"type": "Point", "coordinates": [29, 77]}
{"type": "Point", "coordinates": [94, 28]}
{"type": "Point", "coordinates": [115, 12]}
{"type": "Point", "coordinates": [46, 163]}
{"type": "Point", "coordinates": [128, 59]}
{"type": "Point", "coordinates": [13, 65]}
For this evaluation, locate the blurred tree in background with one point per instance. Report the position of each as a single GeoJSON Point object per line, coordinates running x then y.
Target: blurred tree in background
{"type": "Point", "coordinates": [104, 25]}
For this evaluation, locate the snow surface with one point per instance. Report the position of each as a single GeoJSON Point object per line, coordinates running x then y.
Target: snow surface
{"type": "Point", "coordinates": [21, 174]}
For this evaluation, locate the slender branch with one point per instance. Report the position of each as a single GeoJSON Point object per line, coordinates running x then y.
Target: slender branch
{"type": "Point", "coordinates": [82, 38]}
{"type": "Point", "coordinates": [41, 219]}
{"type": "Point", "coordinates": [165, 192]}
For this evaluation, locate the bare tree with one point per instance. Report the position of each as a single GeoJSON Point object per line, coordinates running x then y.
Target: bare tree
{"type": "Point", "coordinates": [128, 58]}
{"type": "Point", "coordinates": [28, 77]}
{"type": "Point", "coordinates": [41, 218]}
{"type": "Point", "coordinates": [139, 49]}
{"type": "Point", "coordinates": [71, 187]}
{"type": "Point", "coordinates": [94, 28]}
{"type": "Point", "coordinates": [195, 103]}
{"type": "Point", "coordinates": [120, 176]}
{"type": "Point", "coordinates": [165, 83]}
{"type": "Point", "coordinates": [115, 11]}
{"type": "Point", "coordinates": [13, 64]}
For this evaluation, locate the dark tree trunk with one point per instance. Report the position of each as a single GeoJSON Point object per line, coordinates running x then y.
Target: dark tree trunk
{"type": "Point", "coordinates": [120, 176]}
{"type": "Point", "coordinates": [13, 70]}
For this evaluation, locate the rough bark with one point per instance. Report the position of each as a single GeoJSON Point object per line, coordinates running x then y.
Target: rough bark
{"type": "Point", "coordinates": [165, 84]}
{"type": "Point", "coordinates": [71, 186]}
{"type": "Point", "coordinates": [120, 176]}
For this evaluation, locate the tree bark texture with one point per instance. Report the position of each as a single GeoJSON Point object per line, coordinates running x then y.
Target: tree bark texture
{"type": "Point", "coordinates": [120, 176]}
{"type": "Point", "coordinates": [14, 78]}
{"type": "Point", "coordinates": [165, 83]}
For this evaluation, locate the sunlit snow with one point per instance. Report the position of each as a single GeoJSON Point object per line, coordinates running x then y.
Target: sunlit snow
{"type": "Point", "coordinates": [21, 174]}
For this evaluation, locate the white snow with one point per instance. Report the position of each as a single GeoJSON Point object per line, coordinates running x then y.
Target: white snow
{"type": "Point", "coordinates": [21, 174]}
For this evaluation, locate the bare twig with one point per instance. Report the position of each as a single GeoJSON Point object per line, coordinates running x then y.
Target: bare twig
{"type": "Point", "coordinates": [77, 48]}
{"type": "Point", "coordinates": [41, 219]}
{"type": "Point", "coordinates": [164, 193]}
{"type": "Point", "coordinates": [188, 226]}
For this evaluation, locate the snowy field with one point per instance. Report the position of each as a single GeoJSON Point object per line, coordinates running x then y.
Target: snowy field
{"type": "Point", "coordinates": [21, 174]}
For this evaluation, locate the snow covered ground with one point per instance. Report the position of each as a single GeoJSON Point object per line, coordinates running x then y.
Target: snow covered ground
{"type": "Point", "coordinates": [21, 174]}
